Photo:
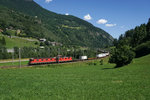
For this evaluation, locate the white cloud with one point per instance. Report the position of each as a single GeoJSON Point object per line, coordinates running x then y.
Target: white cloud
{"type": "Point", "coordinates": [110, 25]}
{"type": "Point", "coordinates": [87, 17]}
{"type": "Point", "coordinates": [67, 14]}
{"type": "Point", "coordinates": [102, 21]}
{"type": "Point", "coordinates": [48, 1]}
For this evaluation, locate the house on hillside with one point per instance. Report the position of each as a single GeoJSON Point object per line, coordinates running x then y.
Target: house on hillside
{"type": "Point", "coordinates": [42, 47]}
{"type": "Point", "coordinates": [55, 44]}
{"type": "Point", "coordinates": [1, 30]}
{"type": "Point", "coordinates": [10, 50]}
{"type": "Point", "coordinates": [42, 40]}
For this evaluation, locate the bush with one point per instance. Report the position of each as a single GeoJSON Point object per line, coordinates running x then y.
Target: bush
{"type": "Point", "coordinates": [143, 49]}
{"type": "Point", "coordinates": [101, 62]}
{"type": "Point", "coordinates": [121, 56]}
{"type": "Point", "coordinates": [92, 63]}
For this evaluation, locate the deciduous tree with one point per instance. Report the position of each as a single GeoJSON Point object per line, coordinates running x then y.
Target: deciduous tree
{"type": "Point", "coordinates": [121, 56]}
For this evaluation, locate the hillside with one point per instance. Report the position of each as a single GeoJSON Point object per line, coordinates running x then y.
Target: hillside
{"type": "Point", "coordinates": [19, 42]}
{"type": "Point", "coordinates": [34, 21]}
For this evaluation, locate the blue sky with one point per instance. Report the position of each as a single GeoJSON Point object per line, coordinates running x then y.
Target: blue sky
{"type": "Point", "coordinates": [113, 16]}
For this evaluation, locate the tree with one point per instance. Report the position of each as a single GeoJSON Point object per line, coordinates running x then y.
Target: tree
{"type": "Point", "coordinates": [42, 44]}
{"type": "Point", "coordinates": [115, 42]}
{"type": "Point", "coordinates": [3, 41]}
{"type": "Point", "coordinates": [121, 37]}
{"type": "Point", "coordinates": [101, 62]}
{"type": "Point", "coordinates": [124, 41]}
{"type": "Point", "coordinates": [121, 56]}
{"type": "Point", "coordinates": [4, 54]}
{"type": "Point", "coordinates": [129, 33]}
{"type": "Point", "coordinates": [139, 35]}
{"type": "Point", "coordinates": [142, 49]}
{"type": "Point", "coordinates": [148, 30]}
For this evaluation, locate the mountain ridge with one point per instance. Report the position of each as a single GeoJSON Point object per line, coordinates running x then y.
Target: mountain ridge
{"type": "Point", "coordinates": [56, 27]}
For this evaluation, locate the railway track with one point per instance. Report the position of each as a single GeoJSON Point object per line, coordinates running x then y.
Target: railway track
{"type": "Point", "coordinates": [28, 66]}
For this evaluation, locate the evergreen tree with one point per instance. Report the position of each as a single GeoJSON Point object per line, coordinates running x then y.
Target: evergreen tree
{"type": "Point", "coordinates": [3, 41]}
{"type": "Point", "coordinates": [139, 35]}
{"type": "Point", "coordinates": [129, 33]}
{"type": "Point", "coordinates": [115, 42]}
{"type": "Point", "coordinates": [143, 33]}
{"type": "Point", "coordinates": [148, 30]}
{"type": "Point", "coordinates": [121, 37]}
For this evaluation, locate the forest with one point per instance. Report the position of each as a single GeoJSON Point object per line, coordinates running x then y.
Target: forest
{"type": "Point", "coordinates": [134, 43]}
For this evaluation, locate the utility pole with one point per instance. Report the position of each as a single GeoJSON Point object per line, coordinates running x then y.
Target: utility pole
{"type": "Point", "coordinates": [73, 53]}
{"type": "Point", "coordinates": [19, 57]}
{"type": "Point", "coordinates": [12, 58]}
{"type": "Point", "coordinates": [58, 55]}
{"type": "Point", "coordinates": [83, 52]}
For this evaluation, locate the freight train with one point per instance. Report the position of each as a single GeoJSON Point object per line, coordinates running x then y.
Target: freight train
{"type": "Point", "coordinates": [34, 61]}
{"type": "Point", "coordinates": [60, 59]}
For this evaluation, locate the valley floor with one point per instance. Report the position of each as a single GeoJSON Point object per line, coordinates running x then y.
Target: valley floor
{"type": "Point", "coordinates": [82, 81]}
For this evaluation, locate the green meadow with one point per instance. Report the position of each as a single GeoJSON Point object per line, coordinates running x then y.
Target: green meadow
{"type": "Point", "coordinates": [13, 63]}
{"type": "Point", "coordinates": [78, 81]}
{"type": "Point", "coordinates": [18, 42]}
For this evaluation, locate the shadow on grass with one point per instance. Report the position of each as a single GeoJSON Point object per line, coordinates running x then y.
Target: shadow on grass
{"type": "Point", "coordinates": [107, 68]}
{"type": "Point", "coordinates": [116, 67]}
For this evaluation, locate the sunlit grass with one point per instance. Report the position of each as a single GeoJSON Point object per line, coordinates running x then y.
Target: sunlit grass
{"type": "Point", "coordinates": [18, 42]}
{"type": "Point", "coordinates": [78, 81]}
{"type": "Point", "coordinates": [14, 63]}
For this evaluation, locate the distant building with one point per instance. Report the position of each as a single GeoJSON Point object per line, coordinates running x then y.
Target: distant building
{"type": "Point", "coordinates": [18, 31]}
{"type": "Point", "coordinates": [68, 50]}
{"type": "Point", "coordinates": [42, 40]}
{"type": "Point", "coordinates": [1, 30]}
{"type": "Point", "coordinates": [55, 44]}
{"type": "Point", "coordinates": [102, 55]}
{"type": "Point", "coordinates": [35, 16]}
{"type": "Point", "coordinates": [10, 50]}
{"type": "Point", "coordinates": [83, 57]}
{"type": "Point", "coordinates": [42, 47]}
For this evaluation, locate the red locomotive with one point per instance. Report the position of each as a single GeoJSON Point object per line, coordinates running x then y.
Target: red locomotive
{"type": "Point", "coordinates": [58, 59]}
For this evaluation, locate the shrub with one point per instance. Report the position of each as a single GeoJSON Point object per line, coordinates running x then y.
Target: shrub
{"type": "Point", "coordinates": [101, 62]}
{"type": "Point", "coordinates": [121, 56]}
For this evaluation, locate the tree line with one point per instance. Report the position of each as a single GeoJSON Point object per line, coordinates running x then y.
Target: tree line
{"type": "Point", "coordinates": [134, 43]}
{"type": "Point", "coordinates": [48, 51]}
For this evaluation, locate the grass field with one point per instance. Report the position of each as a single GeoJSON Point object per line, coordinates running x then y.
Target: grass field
{"type": "Point", "coordinates": [18, 42]}
{"type": "Point", "coordinates": [80, 81]}
{"type": "Point", "coordinates": [14, 63]}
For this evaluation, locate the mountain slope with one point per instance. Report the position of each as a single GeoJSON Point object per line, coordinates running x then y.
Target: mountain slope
{"type": "Point", "coordinates": [55, 27]}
